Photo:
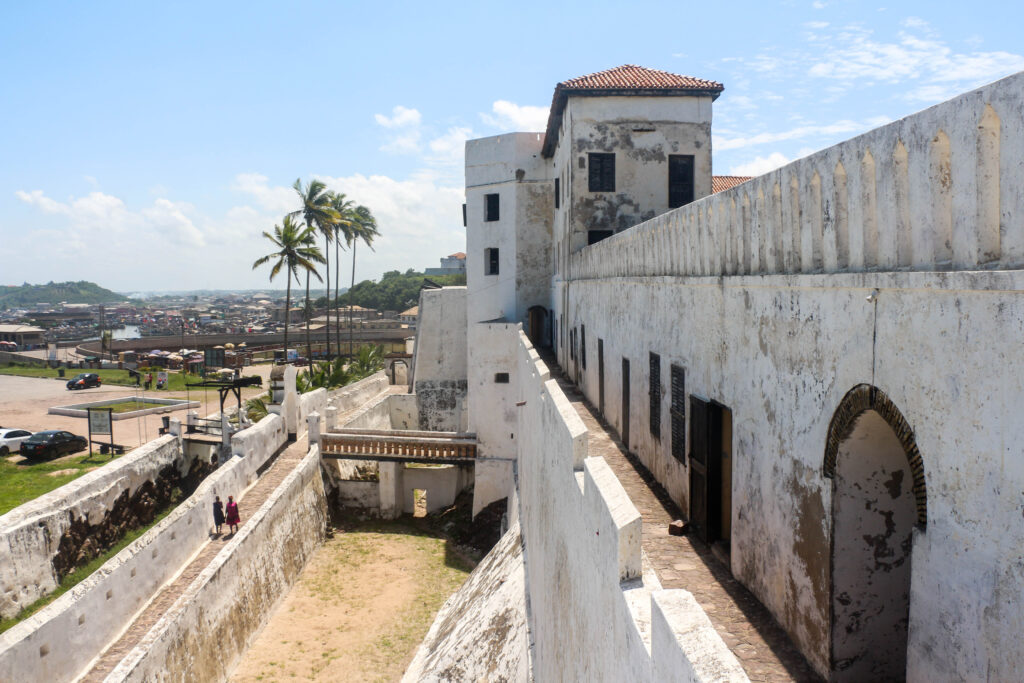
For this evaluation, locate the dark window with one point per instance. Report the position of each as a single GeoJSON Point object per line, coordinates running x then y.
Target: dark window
{"type": "Point", "coordinates": [501, 378]}
{"type": "Point", "coordinates": [463, 215]}
{"type": "Point", "coordinates": [601, 172]}
{"type": "Point", "coordinates": [583, 346]}
{"type": "Point", "coordinates": [491, 207]}
{"type": "Point", "coordinates": [491, 260]}
{"type": "Point", "coordinates": [680, 180]}
{"type": "Point", "coordinates": [558, 193]}
{"type": "Point", "coordinates": [678, 413]}
{"type": "Point", "coordinates": [595, 236]}
{"type": "Point", "coordinates": [655, 395]}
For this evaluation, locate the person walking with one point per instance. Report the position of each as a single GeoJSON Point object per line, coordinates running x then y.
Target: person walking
{"type": "Point", "coordinates": [233, 518]}
{"type": "Point", "coordinates": [218, 514]}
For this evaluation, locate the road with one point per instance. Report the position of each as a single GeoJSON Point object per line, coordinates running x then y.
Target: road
{"type": "Point", "coordinates": [24, 402]}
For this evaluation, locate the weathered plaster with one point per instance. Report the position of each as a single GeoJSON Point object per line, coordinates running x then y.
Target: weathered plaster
{"type": "Point", "coordinates": [494, 644]}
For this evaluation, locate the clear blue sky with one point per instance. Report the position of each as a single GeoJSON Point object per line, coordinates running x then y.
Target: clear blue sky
{"type": "Point", "coordinates": [145, 146]}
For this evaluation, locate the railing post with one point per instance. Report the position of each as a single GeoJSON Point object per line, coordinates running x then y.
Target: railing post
{"type": "Point", "coordinates": [313, 427]}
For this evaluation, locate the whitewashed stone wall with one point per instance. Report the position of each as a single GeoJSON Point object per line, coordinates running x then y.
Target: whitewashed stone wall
{"type": "Point", "coordinates": [439, 367]}
{"type": "Point", "coordinates": [593, 613]}
{"type": "Point", "coordinates": [205, 633]}
{"type": "Point", "coordinates": [937, 190]}
{"type": "Point", "coordinates": [58, 641]}
{"type": "Point", "coordinates": [30, 534]}
{"type": "Point", "coordinates": [493, 415]}
{"type": "Point", "coordinates": [751, 291]}
{"type": "Point", "coordinates": [494, 645]}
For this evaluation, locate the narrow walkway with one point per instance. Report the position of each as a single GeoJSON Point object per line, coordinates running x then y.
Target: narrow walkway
{"type": "Point", "coordinates": [249, 502]}
{"type": "Point", "coordinates": [748, 629]}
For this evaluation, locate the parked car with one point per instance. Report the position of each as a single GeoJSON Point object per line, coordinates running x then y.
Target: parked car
{"type": "Point", "coordinates": [52, 443]}
{"type": "Point", "coordinates": [85, 380]}
{"type": "Point", "coordinates": [10, 440]}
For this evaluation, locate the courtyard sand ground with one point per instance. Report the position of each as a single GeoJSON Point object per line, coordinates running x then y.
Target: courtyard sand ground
{"type": "Point", "coordinates": [361, 607]}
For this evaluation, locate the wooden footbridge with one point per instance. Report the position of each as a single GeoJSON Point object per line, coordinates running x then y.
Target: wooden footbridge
{"type": "Point", "coordinates": [442, 448]}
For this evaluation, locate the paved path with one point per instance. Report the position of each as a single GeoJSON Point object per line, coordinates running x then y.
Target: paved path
{"type": "Point", "coordinates": [759, 643]}
{"type": "Point", "coordinates": [249, 503]}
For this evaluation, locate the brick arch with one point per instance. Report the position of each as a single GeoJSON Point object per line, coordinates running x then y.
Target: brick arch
{"type": "Point", "coordinates": [858, 400]}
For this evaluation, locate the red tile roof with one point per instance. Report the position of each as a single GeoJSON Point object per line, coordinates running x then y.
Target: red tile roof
{"type": "Point", "coordinates": [458, 254]}
{"type": "Point", "coordinates": [630, 76]}
{"type": "Point", "coordinates": [627, 79]}
{"type": "Point", "coordinates": [720, 183]}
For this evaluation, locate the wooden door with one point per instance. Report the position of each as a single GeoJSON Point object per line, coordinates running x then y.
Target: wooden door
{"type": "Point", "coordinates": [705, 468]}
{"type": "Point", "coordinates": [625, 403]}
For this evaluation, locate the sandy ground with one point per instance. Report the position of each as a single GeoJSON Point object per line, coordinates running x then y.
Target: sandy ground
{"type": "Point", "coordinates": [360, 609]}
{"type": "Point", "coordinates": [25, 400]}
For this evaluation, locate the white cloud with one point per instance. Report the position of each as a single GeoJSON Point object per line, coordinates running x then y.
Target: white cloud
{"type": "Point", "coordinates": [853, 57]}
{"type": "Point", "coordinates": [279, 200]}
{"type": "Point", "coordinates": [407, 143]}
{"type": "Point", "coordinates": [449, 149]}
{"type": "Point", "coordinates": [420, 220]}
{"type": "Point", "coordinates": [760, 165]}
{"type": "Point", "coordinates": [401, 117]}
{"type": "Point", "coordinates": [509, 116]}
{"type": "Point", "coordinates": [844, 127]}
{"type": "Point", "coordinates": [405, 124]}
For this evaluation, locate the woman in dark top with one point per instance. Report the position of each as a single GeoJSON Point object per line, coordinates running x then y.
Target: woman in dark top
{"type": "Point", "coordinates": [218, 513]}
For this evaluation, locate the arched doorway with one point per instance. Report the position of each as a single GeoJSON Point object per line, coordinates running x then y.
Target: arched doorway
{"type": "Point", "coordinates": [878, 496]}
{"type": "Point", "coordinates": [537, 317]}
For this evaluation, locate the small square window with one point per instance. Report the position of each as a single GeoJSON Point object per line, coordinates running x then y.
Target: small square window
{"type": "Point", "coordinates": [491, 261]}
{"type": "Point", "coordinates": [491, 208]}
{"type": "Point", "coordinates": [601, 175]}
{"type": "Point", "coordinates": [501, 378]}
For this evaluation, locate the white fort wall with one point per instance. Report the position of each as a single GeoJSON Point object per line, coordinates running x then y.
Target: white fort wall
{"type": "Point", "coordinates": [203, 636]}
{"type": "Point", "coordinates": [940, 189]}
{"type": "Point", "coordinates": [592, 613]}
{"type": "Point", "coordinates": [782, 350]}
{"type": "Point", "coordinates": [58, 641]}
{"type": "Point", "coordinates": [30, 534]}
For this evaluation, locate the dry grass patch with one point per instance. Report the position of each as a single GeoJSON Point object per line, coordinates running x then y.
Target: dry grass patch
{"type": "Point", "coordinates": [361, 607]}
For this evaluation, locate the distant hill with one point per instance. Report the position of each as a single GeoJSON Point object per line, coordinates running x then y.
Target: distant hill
{"type": "Point", "coordinates": [81, 292]}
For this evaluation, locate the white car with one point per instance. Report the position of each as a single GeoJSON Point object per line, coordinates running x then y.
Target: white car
{"type": "Point", "coordinates": [10, 440]}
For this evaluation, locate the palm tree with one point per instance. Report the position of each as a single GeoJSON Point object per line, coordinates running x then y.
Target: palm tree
{"type": "Point", "coordinates": [364, 226]}
{"type": "Point", "coordinates": [314, 257]}
{"type": "Point", "coordinates": [342, 229]}
{"type": "Point", "coordinates": [369, 360]}
{"type": "Point", "coordinates": [317, 212]}
{"type": "Point", "coordinates": [290, 242]}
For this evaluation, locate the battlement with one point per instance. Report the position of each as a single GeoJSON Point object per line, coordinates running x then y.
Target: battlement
{"type": "Point", "coordinates": [937, 190]}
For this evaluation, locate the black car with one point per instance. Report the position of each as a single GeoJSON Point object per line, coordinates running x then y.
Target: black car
{"type": "Point", "coordinates": [85, 380]}
{"type": "Point", "coordinates": [52, 443]}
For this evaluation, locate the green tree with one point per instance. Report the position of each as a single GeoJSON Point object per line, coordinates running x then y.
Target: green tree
{"type": "Point", "coordinates": [315, 257]}
{"type": "Point", "coordinates": [292, 251]}
{"type": "Point", "coordinates": [342, 229]}
{"type": "Point", "coordinates": [363, 227]}
{"type": "Point", "coordinates": [318, 213]}
{"type": "Point", "coordinates": [369, 360]}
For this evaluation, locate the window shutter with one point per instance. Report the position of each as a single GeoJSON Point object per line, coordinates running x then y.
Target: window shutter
{"type": "Point", "coordinates": [678, 413]}
{"type": "Point", "coordinates": [655, 394]}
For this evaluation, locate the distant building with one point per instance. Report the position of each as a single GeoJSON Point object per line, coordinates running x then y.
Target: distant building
{"type": "Point", "coordinates": [409, 316]}
{"type": "Point", "coordinates": [25, 336]}
{"type": "Point", "coordinates": [453, 264]}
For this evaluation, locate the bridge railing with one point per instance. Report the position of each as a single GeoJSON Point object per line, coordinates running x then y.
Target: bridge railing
{"type": "Point", "coordinates": [937, 190]}
{"type": "Point", "coordinates": [370, 446]}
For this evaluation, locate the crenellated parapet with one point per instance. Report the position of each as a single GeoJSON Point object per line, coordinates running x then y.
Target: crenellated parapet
{"type": "Point", "coordinates": [937, 190]}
